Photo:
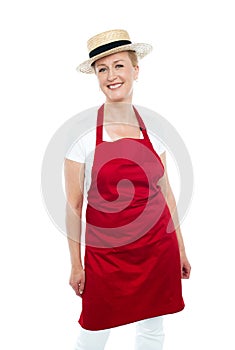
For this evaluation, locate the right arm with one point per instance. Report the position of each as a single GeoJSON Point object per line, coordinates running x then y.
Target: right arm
{"type": "Point", "coordinates": [74, 180]}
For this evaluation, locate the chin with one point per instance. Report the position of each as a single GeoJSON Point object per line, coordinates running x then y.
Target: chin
{"type": "Point", "coordinates": [118, 99]}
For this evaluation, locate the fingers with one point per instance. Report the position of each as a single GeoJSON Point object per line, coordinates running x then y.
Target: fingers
{"type": "Point", "coordinates": [75, 286]}
{"type": "Point", "coordinates": [81, 287]}
{"type": "Point", "coordinates": [77, 282]}
{"type": "Point", "coordinates": [185, 272]}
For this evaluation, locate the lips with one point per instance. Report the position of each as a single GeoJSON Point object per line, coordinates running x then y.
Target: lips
{"type": "Point", "coordinates": [114, 86]}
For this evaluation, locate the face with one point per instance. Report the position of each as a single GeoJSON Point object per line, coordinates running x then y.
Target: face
{"type": "Point", "coordinates": [116, 76]}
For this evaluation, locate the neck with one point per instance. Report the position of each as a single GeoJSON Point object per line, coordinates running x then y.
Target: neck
{"type": "Point", "coordinates": [119, 112]}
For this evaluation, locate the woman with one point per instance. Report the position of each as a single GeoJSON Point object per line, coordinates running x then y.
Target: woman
{"type": "Point", "coordinates": [134, 252]}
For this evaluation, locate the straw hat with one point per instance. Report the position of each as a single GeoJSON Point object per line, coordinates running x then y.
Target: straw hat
{"type": "Point", "coordinates": [110, 42]}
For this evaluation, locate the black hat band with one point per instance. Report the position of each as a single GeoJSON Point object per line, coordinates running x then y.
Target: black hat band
{"type": "Point", "coordinates": [107, 47]}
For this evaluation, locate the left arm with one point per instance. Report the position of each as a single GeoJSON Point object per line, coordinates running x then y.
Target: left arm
{"type": "Point", "coordinates": [170, 199]}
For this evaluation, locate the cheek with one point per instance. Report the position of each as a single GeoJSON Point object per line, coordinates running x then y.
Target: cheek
{"type": "Point", "coordinates": [133, 75]}
{"type": "Point", "coordinates": [132, 78]}
{"type": "Point", "coordinates": [98, 79]}
{"type": "Point", "coordinates": [99, 76]}
{"type": "Point", "coordinates": [100, 82]}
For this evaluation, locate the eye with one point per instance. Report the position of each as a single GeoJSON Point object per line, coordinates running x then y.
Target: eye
{"type": "Point", "coordinates": [102, 70]}
{"type": "Point", "coordinates": [118, 66]}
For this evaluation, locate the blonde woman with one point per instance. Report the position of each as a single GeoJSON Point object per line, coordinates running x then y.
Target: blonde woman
{"type": "Point", "coordinates": [133, 264]}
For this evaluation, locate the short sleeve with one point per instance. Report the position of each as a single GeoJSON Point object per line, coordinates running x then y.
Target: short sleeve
{"type": "Point", "coordinates": [77, 152]}
{"type": "Point", "coordinates": [157, 144]}
{"type": "Point", "coordinates": [155, 128]}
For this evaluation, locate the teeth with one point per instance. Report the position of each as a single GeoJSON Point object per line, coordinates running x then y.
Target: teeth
{"type": "Point", "coordinates": [115, 86]}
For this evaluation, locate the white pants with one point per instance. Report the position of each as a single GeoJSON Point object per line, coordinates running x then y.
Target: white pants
{"type": "Point", "coordinates": [149, 336]}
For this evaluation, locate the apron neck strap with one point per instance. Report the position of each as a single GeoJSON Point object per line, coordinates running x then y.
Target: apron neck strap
{"type": "Point", "coordinates": [100, 120]}
{"type": "Point", "coordinates": [99, 126]}
{"type": "Point", "coordinates": [141, 124]}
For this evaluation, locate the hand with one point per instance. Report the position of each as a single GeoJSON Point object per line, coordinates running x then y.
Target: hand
{"type": "Point", "coordinates": [77, 281]}
{"type": "Point", "coordinates": [185, 266]}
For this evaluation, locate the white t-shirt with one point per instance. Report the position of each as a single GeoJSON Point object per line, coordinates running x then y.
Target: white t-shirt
{"type": "Point", "coordinates": [82, 150]}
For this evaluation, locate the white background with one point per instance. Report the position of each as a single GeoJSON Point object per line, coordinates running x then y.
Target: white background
{"type": "Point", "coordinates": [189, 79]}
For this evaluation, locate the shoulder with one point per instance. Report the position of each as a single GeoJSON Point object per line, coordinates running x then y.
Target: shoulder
{"type": "Point", "coordinates": [151, 118]}
{"type": "Point", "coordinates": [82, 122]}
{"type": "Point", "coordinates": [147, 112]}
{"type": "Point", "coordinates": [153, 121]}
{"type": "Point", "coordinates": [80, 125]}
{"type": "Point", "coordinates": [154, 124]}
{"type": "Point", "coordinates": [81, 133]}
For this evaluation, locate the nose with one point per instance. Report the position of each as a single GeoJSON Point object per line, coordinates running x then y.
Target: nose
{"type": "Point", "coordinates": [111, 75]}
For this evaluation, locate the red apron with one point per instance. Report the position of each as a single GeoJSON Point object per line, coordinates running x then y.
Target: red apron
{"type": "Point", "coordinates": [132, 262]}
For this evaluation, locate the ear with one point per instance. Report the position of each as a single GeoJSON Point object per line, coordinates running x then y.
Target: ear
{"type": "Point", "coordinates": [136, 72]}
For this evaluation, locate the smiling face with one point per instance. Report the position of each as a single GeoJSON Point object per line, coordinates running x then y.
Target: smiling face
{"type": "Point", "coordinates": [116, 75]}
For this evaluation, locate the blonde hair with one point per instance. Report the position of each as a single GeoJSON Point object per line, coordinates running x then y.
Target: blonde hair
{"type": "Point", "coordinates": [133, 58]}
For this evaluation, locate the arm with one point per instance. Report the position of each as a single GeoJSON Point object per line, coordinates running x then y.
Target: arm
{"type": "Point", "coordinates": [170, 199]}
{"type": "Point", "coordinates": [74, 179]}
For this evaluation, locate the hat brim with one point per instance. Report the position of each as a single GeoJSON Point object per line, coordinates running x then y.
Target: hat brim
{"type": "Point", "coordinates": [141, 50]}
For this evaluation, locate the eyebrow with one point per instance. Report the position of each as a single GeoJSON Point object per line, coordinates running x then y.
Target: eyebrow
{"type": "Point", "coordinates": [103, 64]}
